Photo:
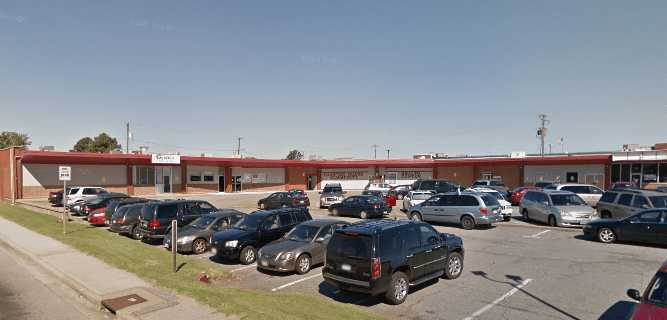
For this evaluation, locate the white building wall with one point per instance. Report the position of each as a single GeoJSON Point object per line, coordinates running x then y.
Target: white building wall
{"type": "Point", "coordinates": [46, 175]}
{"type": "Point", "coordinates": [587, 173]}
{"type": "Point", "coordinates": [349, 179]}
{"type": "Point", "coordinates": [260, 175]}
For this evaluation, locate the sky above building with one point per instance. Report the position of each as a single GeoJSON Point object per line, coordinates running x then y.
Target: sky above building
{"type": "Point", "coordinates": [335, 77]}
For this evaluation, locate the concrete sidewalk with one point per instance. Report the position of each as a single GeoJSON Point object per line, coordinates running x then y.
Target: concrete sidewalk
{"type": "Point", "coordinates": [95, 281]}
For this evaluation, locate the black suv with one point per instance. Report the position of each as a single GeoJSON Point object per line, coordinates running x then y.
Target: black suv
{"type": "Point", "coordinates": [254, 231]}
{"type": "Point", "coordinates": [435, 185]}
{"type": "Point", "coordinates": [284, 200]}
{"type": "Point", "coordinates": [155, 219]}
{"type": "Point", "coordinates": [388, 256]}
{"type": "Point", "coordinates": [364, 207]}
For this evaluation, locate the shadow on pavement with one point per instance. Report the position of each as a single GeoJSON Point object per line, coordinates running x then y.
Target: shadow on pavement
{"type": "Point", "coordinates": [363, 300]}
{"type": "Point", "coordinates": [515, 281]}
{"type": "Point", "coordinates": [621, 310]}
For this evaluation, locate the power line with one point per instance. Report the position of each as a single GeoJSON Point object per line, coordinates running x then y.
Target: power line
{"type": "Point", "coordinates": [387, 152]}
{"type": "Point", "coordinates": [375, 151]}
{"type": "Point", "coordinates": [238, 147]}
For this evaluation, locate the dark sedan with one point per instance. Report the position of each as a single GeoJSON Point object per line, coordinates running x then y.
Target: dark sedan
{"type": "Point", "coordinates": [301, 248]}
{"type": "Point", "coordinates": [648, 226]}
{"type": "Point", "coordinates": [284, 200]}
{"type": "Point", "coordinates": [361, 206]}
{"type": "Point", "coordinates": [196, 236]}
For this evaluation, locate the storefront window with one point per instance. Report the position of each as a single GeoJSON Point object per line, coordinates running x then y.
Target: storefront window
{"type": "Point", "coordinates": [616, 173]}
{"type": "Point", "coordinates": [144, 176]}
{"type": "Point", "coordinates": [650, 173]}
{"type": "Point", "coordinates": [625, 173]}
{"type": "Point", "coordinates": [663, 172]}
{"type": "Point", "coordinates": [636, 168]}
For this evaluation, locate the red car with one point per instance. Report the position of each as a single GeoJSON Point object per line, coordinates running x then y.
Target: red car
{"type": "Point", "coordinates": [518, 193]}
{"type": "Point", "coordinates": [653, 304]}
{"type": "Point", "coordinates": [97, 217]}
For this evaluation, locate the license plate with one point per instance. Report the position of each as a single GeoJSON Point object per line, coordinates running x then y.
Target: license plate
{"type": "Point", "coordinates": [346, 267]}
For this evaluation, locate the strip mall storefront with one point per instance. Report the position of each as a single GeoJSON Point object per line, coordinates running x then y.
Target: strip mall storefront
{"type": "Point", "coordinates": [35, 173]}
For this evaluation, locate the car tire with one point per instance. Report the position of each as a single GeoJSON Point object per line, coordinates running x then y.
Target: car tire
{"type": "Point", "coordinates": [606, 235]}
{"type": "Point", "coordinates": [507, 219]}
{"type": "Point", "coordinates": [398, 289]}
{"type": "Point", "coordinates": [552, 221]}
{"type": "Point", "coordinates": [454, 266]}
{"type": "Point", "coordinates": [524, 214]}
{"type": "Point", "coordinates": [199, 246]}
{"type": "Point", "coordinates": [467, 223]}
{"type": "Point", "coordinates": [416, 216]}
{"type": "Point", "coordinates": [248, 255]}
{"type": "Point", "coordinates": [303, 264]}
{"type": "Point", "coordinates": [136, 235]}
{"type": "Point", "coordinates": [363, 215]}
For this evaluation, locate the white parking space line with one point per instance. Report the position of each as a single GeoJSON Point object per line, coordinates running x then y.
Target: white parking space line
{"type": "Point", "coordinates": [295, 282]}
{"type": "Point", "coordinates": [244, 268]}
{"type": "Point", "coordinates": [499, 300]}
{"type": "Point", "coordinates": [537, 235]}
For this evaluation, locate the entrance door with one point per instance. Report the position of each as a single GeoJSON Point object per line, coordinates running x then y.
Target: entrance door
{"type": "Point", "coordinates": [311, 183]}
{"type": "Point", "coordinates": [221, 183]}
{"type": "Point", "coordinates": [167, 184]}
{"type": "Point", "coordinates": [636, 180]}
{"type": "Point", "coordinates": [236, 184]}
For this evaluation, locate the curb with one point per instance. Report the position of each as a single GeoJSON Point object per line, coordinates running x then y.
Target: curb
{"type": "Point", "coordinates": [63, 278]}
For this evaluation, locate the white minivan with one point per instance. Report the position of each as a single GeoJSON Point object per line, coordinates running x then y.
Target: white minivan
{"type": "Point", "coordinates": [80, 194]}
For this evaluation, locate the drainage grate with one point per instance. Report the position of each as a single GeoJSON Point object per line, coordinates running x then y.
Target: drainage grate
{"type": "Point", "coordinates": [116, 304]}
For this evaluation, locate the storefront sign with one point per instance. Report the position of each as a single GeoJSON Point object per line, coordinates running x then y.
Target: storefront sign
{"type": "Point", "coordinates": [345, 175]}
{"type": "Point", "coordinates": [166, 159]}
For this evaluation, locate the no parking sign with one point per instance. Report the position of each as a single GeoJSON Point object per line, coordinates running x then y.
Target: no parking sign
{"type": "Point", "coordinates": [64, 173]}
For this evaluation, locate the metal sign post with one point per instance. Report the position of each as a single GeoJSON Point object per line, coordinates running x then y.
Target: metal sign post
{"type": "Point", "coordinates": [64, 175]}
{"type": "Point", "coordinates": [174, 238]}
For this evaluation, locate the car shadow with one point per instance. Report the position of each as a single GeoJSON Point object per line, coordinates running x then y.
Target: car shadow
{"type": "Point", "coordinates": [361, 299]}
{"type": "Point", "coordinates": [621, 243]}
{"type": "Point", "coordinates": [620, 310]}
{"type": "Point", "coordinates": [515, 281]}
{"type": "Point", "coordinates": [455, 225]}
{"type": "Point", "coordinates": [227, 262]}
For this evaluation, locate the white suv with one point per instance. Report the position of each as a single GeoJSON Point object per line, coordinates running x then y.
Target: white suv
{"type": "Point", "coordinates": [80, 194]}
{"type": "Point", "coordinates": [590, 193]}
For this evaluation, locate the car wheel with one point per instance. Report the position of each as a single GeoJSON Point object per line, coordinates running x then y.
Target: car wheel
{"type": "Point", "coordinates": [552, 221]}
{"type": "Point", "coordinates": [524, 214]}
{"type": "Point", "coordinates": [199, 246]}
{"type": "Point", "coordinates": [398, 289]}
{"type": "Point", "coordinates": [454, 266]}
{"type": "Point", "coordinates": [136, 233]}
{"type": "Point", "coordinates": [467, 223]}
{"type": "Point", "coordinates": [363, 215]}
{"type": "Point", "coordinates": [606, 235]}
{"type": "Point", "coordinates": [416, 216]}
{"type": "Point", "coordinates": [248, 255]}
{"type": "Point", "coordinates": [303, 264]}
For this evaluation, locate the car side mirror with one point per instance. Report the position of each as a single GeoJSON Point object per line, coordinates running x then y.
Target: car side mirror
{"type": "Point", "coordinates": [645, 206]}
{"type": "Point", "coordinates": [546, 203]}
{"type": "Point", "coordinates": [634, 294]}
{"type": "Point", "coordinates": [320, 240]}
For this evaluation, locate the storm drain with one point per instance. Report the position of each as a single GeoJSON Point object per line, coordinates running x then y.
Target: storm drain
{"type": "Point", "coordinates": [116, 304]}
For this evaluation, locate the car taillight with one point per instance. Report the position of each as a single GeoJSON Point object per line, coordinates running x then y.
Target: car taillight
{"type": "Point", "coordinates": [484, 211]}
{"type": "Point", "coordinates": [122, 221]}
{"type": "Point", "coordinates": [376, 268]}
{"type": "Point", "coordinates": [376, 206]}
{"type": "Point", "coordinates": [154, 224]}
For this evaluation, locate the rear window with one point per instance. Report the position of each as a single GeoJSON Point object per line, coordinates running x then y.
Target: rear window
{"type": "Point", "coordinates": [74, 191]}
{"type": "Point", "coordinates": [657, 293]}
{"type": "Point", "coordinates": [351, 245]}
{"type": "Point", "coordinates": [625, 199]}
{"type": "Point", "coordinates": [147, 212]}
{"type": "Point", "coordinates": [167, 211]}
{"type": "Point", "coordinates": [119, 213]}
{"type": "Point", "coordinates": [608, 197]}
{"type": "Point", "coordinates": [659, 201]}
{"type": "Point", "coordinates": [490, 200]}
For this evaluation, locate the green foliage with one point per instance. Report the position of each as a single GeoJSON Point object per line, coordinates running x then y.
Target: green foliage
{"type": "Point", "coordinates": [102, 143]}
{"type": "Point", "coordinates": [294, 155]}
{"type": "Point", "coordinates": [154, 265]}
{"type": "Point", "coordinates": [13, 139]}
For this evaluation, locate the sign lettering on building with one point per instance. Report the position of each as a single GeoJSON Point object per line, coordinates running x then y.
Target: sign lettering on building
{"type": "Point", "coordinates": [345, 175]}
{"type": "Point", "coordinates": [166, 159]}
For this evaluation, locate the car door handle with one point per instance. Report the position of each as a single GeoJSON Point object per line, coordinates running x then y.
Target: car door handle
{"type": "Point", "coordinates": [429, 251]}
{"type": "Point", "coordinates": [410, 256]}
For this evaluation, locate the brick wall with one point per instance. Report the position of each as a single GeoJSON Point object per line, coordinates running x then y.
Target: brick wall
{"type": "Point", "coordinates": [462, 175]}
{"type": "Point", "coordinates": [5, 191]}
{"type": "Point", "coordinates": [256, 187]}
{"type": "Point", "coordinates": [296, 178]}
{"type": "Point", "coordinates": [511, 174]}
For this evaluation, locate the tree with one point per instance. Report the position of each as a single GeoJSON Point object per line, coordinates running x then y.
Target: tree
{"type": "Point", "coordinates": [294, 155]}
{"type": "Point", "coordinates": [14, 139]}
{"type": "Point", "coordinates": [102, 143]}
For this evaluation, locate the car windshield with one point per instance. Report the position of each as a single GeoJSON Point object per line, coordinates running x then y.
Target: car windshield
{"type": "Point", "coordinates": [567, 200]}
{"type": "Point", "coordinates": [202, 222]}
{"type": "Point", "coordinates": [659, 201]}
{"type": "Point", "coordinates": [479, 183]}
{"type": "Point", "coordinates": [332, 189]}
{"type": "Point", "coordinates": [490, 200]}
{"type": "Point", "coordinates": [303, 233]}
{"type": "Point", "coordinates": [657, 294]}
{"type": "Point", "coordinates": [249, 222]}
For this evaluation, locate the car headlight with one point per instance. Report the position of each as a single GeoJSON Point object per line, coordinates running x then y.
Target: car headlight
{"type": "Point", "coordinates": [285, 256]}
{"type": "Point", "coordinates": [184, 239]}
{"type": "Point", "coordinates": [232, 244]}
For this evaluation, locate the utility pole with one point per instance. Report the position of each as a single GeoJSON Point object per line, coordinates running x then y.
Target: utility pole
{"type": "Point", "coordinates": [542, 132]}
{"type": "Point", "coordinates": [127, 137]}
{"type": "Point", "coordinates": [375, 150]}
{"type": "Point", "coordinates": [238, 147]}
{"type": "Point", "coordinates": [387, 152]}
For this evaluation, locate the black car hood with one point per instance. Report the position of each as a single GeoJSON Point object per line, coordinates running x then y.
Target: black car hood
{"type": "Point", "coordinates": [234, 234]}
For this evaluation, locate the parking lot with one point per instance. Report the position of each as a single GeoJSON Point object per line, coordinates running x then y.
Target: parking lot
{"type": "Point", "coordinates": [515, 270]}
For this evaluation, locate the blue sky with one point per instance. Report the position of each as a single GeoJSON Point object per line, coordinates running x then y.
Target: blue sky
{"type": "Point", "coordinates": [333, 78]}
